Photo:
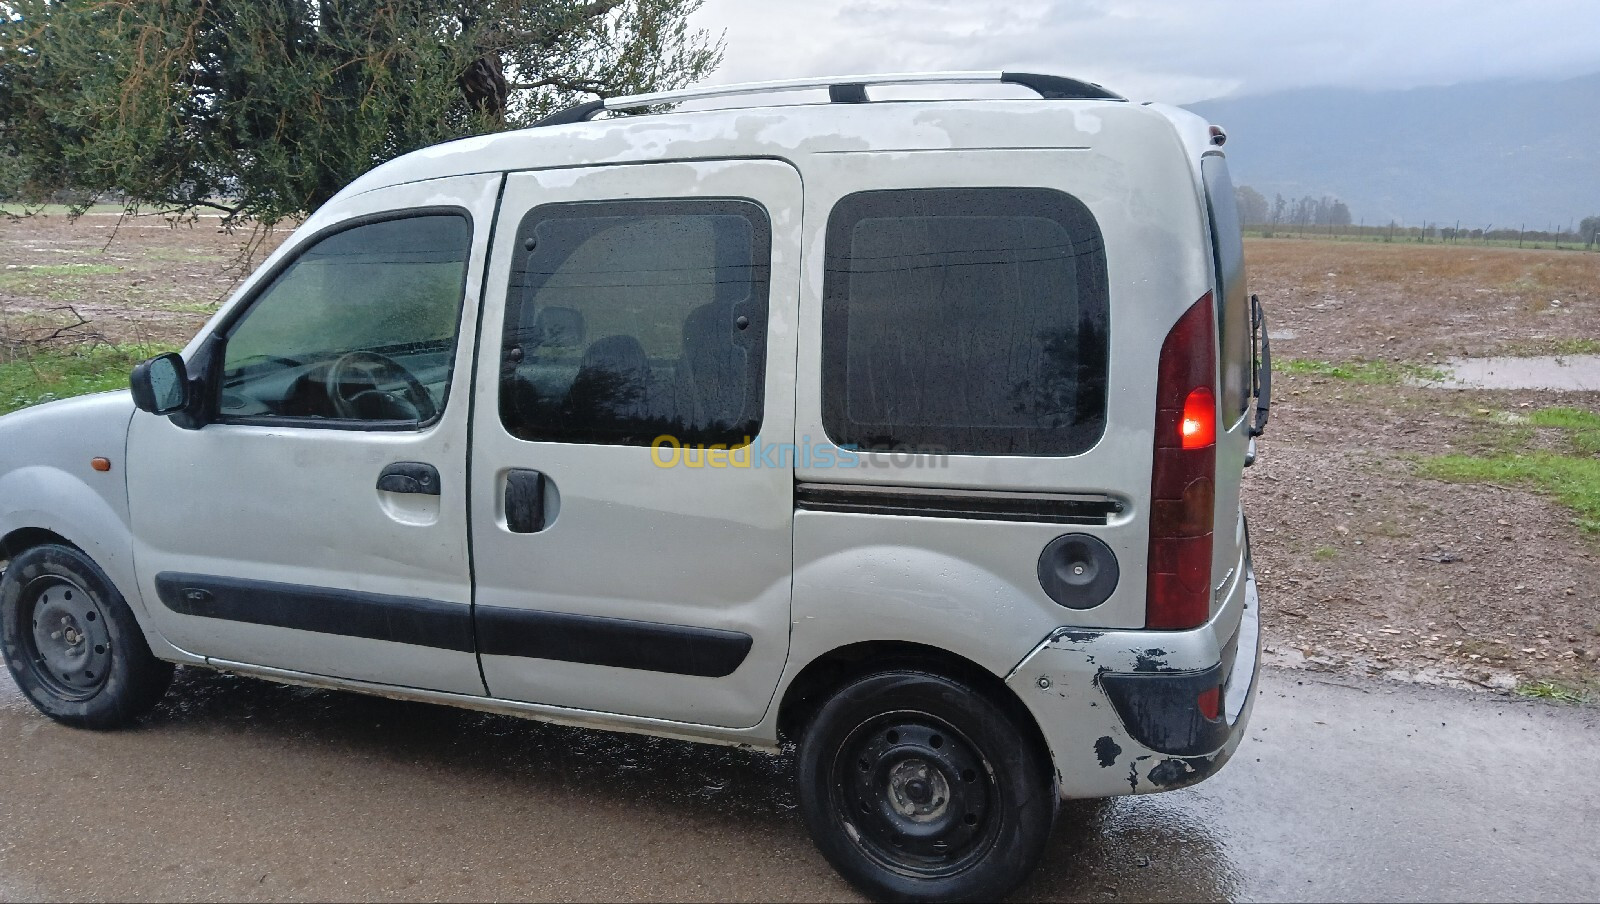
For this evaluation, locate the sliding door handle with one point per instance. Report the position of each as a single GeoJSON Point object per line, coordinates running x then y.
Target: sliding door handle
{"type": "Point", "coordinates": [525, 497]}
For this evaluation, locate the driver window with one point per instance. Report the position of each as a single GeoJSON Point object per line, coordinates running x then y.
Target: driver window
{"type": "Point", "coordinates": [360, 327]}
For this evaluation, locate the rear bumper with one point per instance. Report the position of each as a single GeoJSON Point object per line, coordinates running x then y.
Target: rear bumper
{"type": "Point", "coordinates": [1121, 710]}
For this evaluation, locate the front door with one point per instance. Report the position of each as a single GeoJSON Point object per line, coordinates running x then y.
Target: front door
{"type": "Point", "coordinates": [318, 522]}
{"type": "Point", "coordinates": [632, 466]}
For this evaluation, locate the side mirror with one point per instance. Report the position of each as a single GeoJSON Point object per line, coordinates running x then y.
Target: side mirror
{"type": "Point", "coordinates": [161, 384]}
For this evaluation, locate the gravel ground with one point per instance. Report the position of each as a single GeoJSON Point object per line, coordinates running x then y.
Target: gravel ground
{"type": "Point", "coordinates": [1367, 567]}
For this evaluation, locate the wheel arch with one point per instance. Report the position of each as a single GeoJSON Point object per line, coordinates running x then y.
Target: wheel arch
{"type": "Point", "coordinates": [49, 506]}
{"type": "Point", "coordinates": [831, 671]}
{"type": "Point", "coordinates": [25, 538]}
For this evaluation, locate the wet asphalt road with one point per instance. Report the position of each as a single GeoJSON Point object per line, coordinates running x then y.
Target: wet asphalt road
{"type": "Point", "coordinates": [238, 789]}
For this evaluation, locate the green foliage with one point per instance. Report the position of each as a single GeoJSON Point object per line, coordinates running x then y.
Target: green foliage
{"type": "Point", "coordinates": [262, 109]}
{"type": "Point", "coordinates": [1554, 691]}
{"type": "Point", "coordinates": [49, 375]}
{"type": "Point", "coordinates": [1583, 426]}
{"type": "Point", "coordinates": [1589, 231]}
{"type": "Point", "coordinates": [1377, 372]}
{"type": "Point", "coordinates": [1573, 479]}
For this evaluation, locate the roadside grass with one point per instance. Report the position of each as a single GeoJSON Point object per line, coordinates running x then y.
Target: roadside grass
{"type": "Point", "coordinates": [45, 376]}
{"type": "Point", "coordinates": [1571, 478]}
{"type": "Point", "coordinates": [1368, 372]}
{"type": "Point", "coordinates": [1554, 691]}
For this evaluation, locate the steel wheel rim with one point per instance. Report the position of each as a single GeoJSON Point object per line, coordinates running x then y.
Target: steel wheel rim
{"type": "Point", "coordinates": [915, 795]}
{"type": "Point", "coordinates": [66, 637]}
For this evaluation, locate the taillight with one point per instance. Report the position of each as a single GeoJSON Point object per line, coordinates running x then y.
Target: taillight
{"type": "Point", "coordinates": [1182, 479]}
{"type": "Point", "coordinates": [1199, 428]}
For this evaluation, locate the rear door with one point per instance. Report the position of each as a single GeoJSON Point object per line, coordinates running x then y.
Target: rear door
{"type": "Point", "coordinates": [631, 528]}
{"type": "Point", "coordinates": [1235, 386]}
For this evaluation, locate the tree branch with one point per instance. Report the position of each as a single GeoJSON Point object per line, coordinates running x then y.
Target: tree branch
{"type": "Point", "coordinates": [544, 37]}
{"type": "Point", "coordinates": [577, 85]}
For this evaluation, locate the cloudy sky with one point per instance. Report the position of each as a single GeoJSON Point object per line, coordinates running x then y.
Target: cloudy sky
{"type": "Point", "coordinates": [1178, 51]}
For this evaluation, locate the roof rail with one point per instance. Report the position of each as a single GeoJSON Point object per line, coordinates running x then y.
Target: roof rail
{"type": "Point", "coordinates": [842, 89]}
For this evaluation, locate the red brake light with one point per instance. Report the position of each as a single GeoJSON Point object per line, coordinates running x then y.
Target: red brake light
{"type": "Point", "coordinates": [1210, 703]}
{"type": "Point", "coordinates": [1199, 427]}
{"type": "Point", "coordinates": [1182, 477]}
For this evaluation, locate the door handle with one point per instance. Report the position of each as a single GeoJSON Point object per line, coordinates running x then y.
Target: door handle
{"type": "Point", "coordinates": [525, 501]}
{"type": "Point", "coordinates": [410, 477]}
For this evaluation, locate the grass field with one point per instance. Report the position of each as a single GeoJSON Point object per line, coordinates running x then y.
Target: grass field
{"type": "Point", "coordinates": [1570, 475]}
{"type": "Point", "coordinates": [1412, 236]}
{"type": "Point", "coordinates": [45, 376]}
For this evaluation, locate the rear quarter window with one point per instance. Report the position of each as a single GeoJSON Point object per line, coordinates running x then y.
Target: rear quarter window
{"type": "Point", "coordinates": [965, 321]}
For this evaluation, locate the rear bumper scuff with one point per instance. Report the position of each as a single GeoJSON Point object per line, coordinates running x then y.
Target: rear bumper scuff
{"type": "Point", "coordinates": [1119, 709]}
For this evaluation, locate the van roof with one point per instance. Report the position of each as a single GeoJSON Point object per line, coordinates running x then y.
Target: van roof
{"type": "Point", "coordinates": [1068, 113]}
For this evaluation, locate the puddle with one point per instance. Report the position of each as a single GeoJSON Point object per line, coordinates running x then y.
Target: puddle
{"type": "Point", "coordinates": [1561, 373]}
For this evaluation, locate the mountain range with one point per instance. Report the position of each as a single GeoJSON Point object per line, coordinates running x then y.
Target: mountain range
{"type": "Point", "coordinates": [1502, 153]}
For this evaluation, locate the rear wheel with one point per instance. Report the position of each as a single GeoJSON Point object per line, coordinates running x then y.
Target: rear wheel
{"type": "Point", "coordinates": [71, 642]}
{"type": "Point", "coordinates": [917, 787]}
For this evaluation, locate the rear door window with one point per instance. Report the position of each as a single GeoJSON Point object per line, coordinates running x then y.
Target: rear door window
{"type": "Point", "coordinates": [965, 321]}
{"type": "Point", "coordinates": [628, 321]}
{"type": "Point", "coordinates": [1233, 301]}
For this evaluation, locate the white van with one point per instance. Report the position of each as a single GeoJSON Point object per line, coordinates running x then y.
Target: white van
{"type": "Point", "coordinates": [908, 432]}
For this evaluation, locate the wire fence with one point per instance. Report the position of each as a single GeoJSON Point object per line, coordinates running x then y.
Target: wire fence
{"type": "Point", "coordinates": [1429, 234]}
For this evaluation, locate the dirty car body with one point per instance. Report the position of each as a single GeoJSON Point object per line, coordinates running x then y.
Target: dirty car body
{"type": "Point", "coordinates": [743, 426]}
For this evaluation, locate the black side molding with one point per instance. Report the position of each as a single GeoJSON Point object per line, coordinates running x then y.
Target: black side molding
{"type": "Point", "coordinates": [979, 505]}
{"type": "Point", "coordinates": [619, 642]}
{"type": "Point", "coordinates": [376, 616]}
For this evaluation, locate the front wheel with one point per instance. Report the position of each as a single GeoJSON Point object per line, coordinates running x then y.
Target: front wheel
{"type": "Point", "coordinates": [71, 642]}
{"type": "Point", "coordinates": [917, 787]}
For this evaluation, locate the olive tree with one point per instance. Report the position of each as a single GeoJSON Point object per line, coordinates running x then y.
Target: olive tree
{"type": "Point", "coordinates": [262, 109]}
{"type": "Point", "coordinates": [1589, 229]}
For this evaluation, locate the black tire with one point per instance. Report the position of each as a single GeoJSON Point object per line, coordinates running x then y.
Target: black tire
{"type": "Point", "coordinates": [917, 787]}
{"type": "Point", "coordinates": [72, 643]}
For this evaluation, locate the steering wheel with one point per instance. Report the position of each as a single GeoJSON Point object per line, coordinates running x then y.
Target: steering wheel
{"type": "Point", "coordinates": [375, 378]}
